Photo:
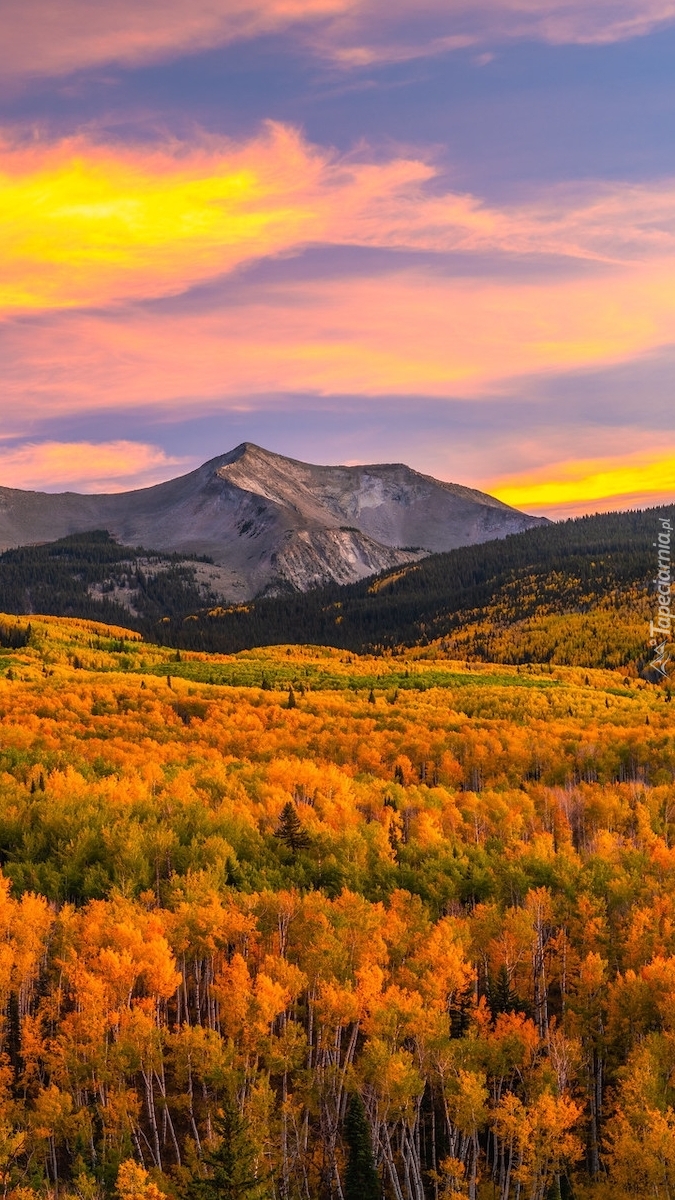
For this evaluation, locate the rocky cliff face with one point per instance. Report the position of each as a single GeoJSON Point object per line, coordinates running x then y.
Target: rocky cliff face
{"type": "Point", "coordinates": [271, 523]}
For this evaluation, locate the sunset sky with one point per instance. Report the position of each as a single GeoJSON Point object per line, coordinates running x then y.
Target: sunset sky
{"type": "Point", "coordinates": [432, 231]}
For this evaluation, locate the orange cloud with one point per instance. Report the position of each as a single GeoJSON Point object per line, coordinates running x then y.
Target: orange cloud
{"type": "Point", "coordinates": [85, 467]}
{"type": "Point", "coordinates": [40, 37]}
{"type": "Point", "coordinates": [589, 485]}
{"type": "Point", "coordinates": [82, 224]}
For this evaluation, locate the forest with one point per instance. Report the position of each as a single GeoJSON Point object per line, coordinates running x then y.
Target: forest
{"type": "Point", "coordinates": [92, 575]}
{"type": "Point", "coordinates": [562, 593]}
{"type": "Point", "coordinates": [305, 924]}
{"type": "Point", "coordinates": [498, 601]}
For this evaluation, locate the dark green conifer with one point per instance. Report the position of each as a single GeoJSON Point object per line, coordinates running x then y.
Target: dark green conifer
{"type": "Point", "coordinates": [501, 996]}
{"type": "Point", "coordinates": [231, 1166]}
{"type": "Point", "coordinates": [290, 830]}
{"type": "Point", "coordinates": [361, 1179]}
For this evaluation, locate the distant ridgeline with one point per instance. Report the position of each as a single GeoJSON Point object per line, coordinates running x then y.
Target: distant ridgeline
{"type": "Point", "coordinates": [574, 592]}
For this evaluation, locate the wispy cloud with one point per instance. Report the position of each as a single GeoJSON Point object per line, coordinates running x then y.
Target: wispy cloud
{"type": "Point", "coordinates": [41, 37]}
{"type": "Point", "coordinates": [85, 466]}
{"type": "Point", "coordinates": [369, 32]}
{"type": "Point", "coordinates": [405, 333]}
{"type": "Point", "coordinates": [83, 224]}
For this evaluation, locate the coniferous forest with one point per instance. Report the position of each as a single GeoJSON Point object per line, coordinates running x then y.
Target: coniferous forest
{"type": "Point", "coordinates": [301, 923]}
{"type": "Point", "coordinates": [567, 592]}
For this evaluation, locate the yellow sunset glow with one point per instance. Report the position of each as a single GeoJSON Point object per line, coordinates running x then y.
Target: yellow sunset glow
{"type": "Point", "coordinates": [88, 229]}
{"type": "Point", "coordinates": [633, 479]}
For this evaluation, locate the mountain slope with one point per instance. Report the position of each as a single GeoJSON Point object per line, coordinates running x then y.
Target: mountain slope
{"type": "Point", "coordinates": [578, 591]}
{"type": "Point", "coordinates": [272, 524]}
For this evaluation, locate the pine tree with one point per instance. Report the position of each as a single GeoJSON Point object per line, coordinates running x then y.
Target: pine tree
{"type": "Point", "coordinates": [290, 830]}
{"type": "Point", "coordinates": [231, 1165]}
{"type": "Point", "coordinates": [502, 998]}
{"type": "Point", "coordinates": [291, 698]}
{"type": "Point", "coordinates": [361, 1179]}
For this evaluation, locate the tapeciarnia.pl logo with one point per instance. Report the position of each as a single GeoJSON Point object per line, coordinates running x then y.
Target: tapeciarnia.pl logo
{"type": "Point", "coordinates": [660, 629]}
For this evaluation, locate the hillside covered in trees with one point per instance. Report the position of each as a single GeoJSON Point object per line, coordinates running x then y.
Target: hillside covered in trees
{"type": "Point", "coordinates": [90, 575]}
{"type": "Point", "coordinates": [524, 598]}
{"type": "Point", "coordinates": [304, 924]}
{"type": "Point", "coordinates": [575, 592]}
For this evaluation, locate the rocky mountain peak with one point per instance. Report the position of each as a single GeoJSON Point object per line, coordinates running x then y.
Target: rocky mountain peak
{"type": "Point", "coordinates": [275, 523]}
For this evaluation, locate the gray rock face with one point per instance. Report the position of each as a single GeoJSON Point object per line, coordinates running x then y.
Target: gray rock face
{"type": "Point", "coordinates": [270, 523]}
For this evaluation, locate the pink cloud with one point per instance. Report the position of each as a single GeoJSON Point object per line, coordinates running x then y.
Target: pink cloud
{"type": "Point", "coordinates": [406, 333]}
{"type": "Point", "coordinates": [86, 467]}
{"type": "Point", "coordinates": [41, 37]}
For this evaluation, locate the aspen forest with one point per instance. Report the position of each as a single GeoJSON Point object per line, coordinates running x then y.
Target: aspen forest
{"type": "Point", "coordinates": [303, 924]}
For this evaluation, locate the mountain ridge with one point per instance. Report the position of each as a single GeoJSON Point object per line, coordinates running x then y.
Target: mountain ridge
{"type": "Point", "coordinates": [272, 523]}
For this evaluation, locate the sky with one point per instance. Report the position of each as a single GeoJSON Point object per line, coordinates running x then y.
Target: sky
{"type": "Point", "coordinates": [439, 232]}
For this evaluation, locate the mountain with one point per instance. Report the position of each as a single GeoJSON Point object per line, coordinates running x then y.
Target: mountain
{"type": "Point", "coordinates": [272, 524]}
{"type": "Point", "coordinates": [576, 592]}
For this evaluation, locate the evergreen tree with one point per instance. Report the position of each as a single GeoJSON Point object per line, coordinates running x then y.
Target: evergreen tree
{"type": "Point", "coordinates": [231, 1165]}
{"type": "Point", "coordinates": [361, 1179]}
{"type": "Point", "coordinates": [291, 698]}
{"type": "Point", "coordinates": [290, 830]}
{"type": "Point", "coordinates": [501, 997]}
